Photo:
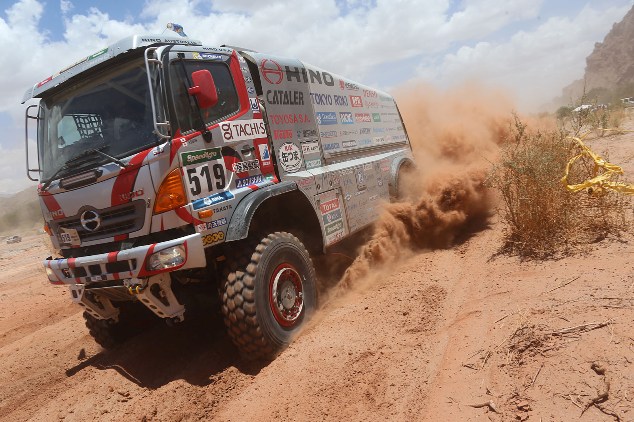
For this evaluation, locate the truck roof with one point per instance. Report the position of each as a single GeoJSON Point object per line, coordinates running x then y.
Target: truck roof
{"type": "Point", "coordinates": [129, 43]}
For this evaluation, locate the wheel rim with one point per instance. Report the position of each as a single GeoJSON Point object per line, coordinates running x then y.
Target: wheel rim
{"type": "Point", "coordinates": [286, 295]}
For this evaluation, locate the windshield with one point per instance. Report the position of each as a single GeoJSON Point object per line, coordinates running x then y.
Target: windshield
{"type": "Point", "coordinates": [111, 112]}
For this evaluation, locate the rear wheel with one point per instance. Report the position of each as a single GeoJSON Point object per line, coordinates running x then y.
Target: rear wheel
{"type": "Point", "coordinates": [268, 295]}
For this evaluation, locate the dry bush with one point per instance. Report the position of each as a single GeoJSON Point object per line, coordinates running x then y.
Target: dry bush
{"type": "Point", "coordinates": [544, 219]}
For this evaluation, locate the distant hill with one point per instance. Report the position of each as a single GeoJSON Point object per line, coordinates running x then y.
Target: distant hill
{"type": "Point", "coordinates": [20, 211]}
{"type": "Point", "coordinates": [609, 73]}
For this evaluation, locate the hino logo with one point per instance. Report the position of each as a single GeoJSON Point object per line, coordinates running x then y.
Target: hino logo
{"type": "Point", "coordinates": [90, 220]}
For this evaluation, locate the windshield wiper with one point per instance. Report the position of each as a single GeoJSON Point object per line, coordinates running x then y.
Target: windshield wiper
{"type": "Point", "coordinates": [80, 158]}
{"type": "Point", "coordinates": [110, 157]}
{"type": "Point", "coordinates": [92, 151]}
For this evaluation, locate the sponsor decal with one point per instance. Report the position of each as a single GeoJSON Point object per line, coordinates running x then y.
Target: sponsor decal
{"type": "Point", "coordinates": [307, 133]}
{"type": "Point", "coordinates": [369, 93]}
{"type": "Point", "coordinates": [311, 164]}
{"type": "Point", "coordinates": [348, 132]}
{"type": "Point", "coordinates": [212, 200]}
{"type": "Point", "coordinates": [283, 134]}
{"type": "Point", "coordinates": [204, 172]}
{"type": "Point", "coordinates": [241, 130]}
{"type": "Point", "coordinates": [356, 101]}
{"type": "Point", "coordinates": [333, 216]}
{"type": "Point", "coordinates": [255, 105]}
{"type": "Point", "coordinates": [379, 140]}
{"type": "Point", "coordinates": [219, 49]}
{"type": "Point", "coordinates": [331, 146]}
{"type": "Point", "coordinates": [281, 97]}
{"type": "Point", "coordinates": [200, 156]}
{"type": "Point", "coordinates": [376, 117]}
{"type": "Point", "coordinates": [211, 224]}
{"type": "Point", "coordinates": [360, 177]}
{"type": "Point", "coordinates": [328, 206]}
{"type": "Point", "coordinates": [243, 166]}
{"type": "Point", "coordinates": [311, 147]}
{"type": "Point", "coordinates": [210, 239]}
{"type": "Point", "coordinates": [97, 54]}
{"type": "Point", "coordinates": [334, 228]}
{"type": "Point", "coordinates": [248, 79]}
{"type": "Point", "coordinates": [341, 100]}
{"type": "Point", "coordinates": [305, 182]}
{"type": "Point", "coordinates": [247, 181]}
{"type": "Point", "coordinates": [314, 76]}
{"type": "Point", "coordinates": [363, 117]}
{"type": "Point", "coordinates": [265, 155]}
{"type": "Point", "coordinates": [290, 157]}
{"type": "Point", "coordinates": [129, 195]}
{"type": "Point", "coordinates": [365, 142]}
{"type": "Point", "coordinates": [251, 90]}
{"type": "Point", "coordinates": [321, 99]}
{"type": "Point", "coordinates": [346, 118]}
{"type": "Point", "coordinates": [326, 118]}
{"type": "Point", "coordinates": [349, 144]}
{"type": "Point", "coordinates": [271, 71]}
{"type": "Point", "coordinates": [348, 85]}
{"type": "Point", "coordinates": [364, 131]}
{"type": "Point", "coordinates": [173, 41]}
{"type": "Point", "coordinates": [378, 130]}
{"type": "Point", "coordinates": [222, 208]}
{"type": "Point", "coordinates": [328, 133]}
{"type": "Point", "coordinates": [372, 104]}
{"type": "Point", "coordinates": [207, 56]}
{"type": "Point", "coordinates": [287, 119]}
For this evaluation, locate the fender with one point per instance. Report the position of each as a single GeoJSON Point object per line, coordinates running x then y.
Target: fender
{"type": "Point", "coordinates": [394, 170]}
{"type": "Point", "coordinates": [241, 218]}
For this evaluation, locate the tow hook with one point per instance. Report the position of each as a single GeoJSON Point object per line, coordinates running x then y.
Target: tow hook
{"type": "Point", "coordinates": [134, 286]}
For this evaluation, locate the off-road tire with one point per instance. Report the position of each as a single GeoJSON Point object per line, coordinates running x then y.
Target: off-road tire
{"type": "Point", "coordinates": [134, 318]}
{"type": "Point", "coordinates": [106, 333]}
{"type": "Point", "coordinates": [272, 275]}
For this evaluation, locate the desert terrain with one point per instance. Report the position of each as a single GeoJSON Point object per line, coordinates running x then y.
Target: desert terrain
{"type": "Point", "coordinates": [451, 331]}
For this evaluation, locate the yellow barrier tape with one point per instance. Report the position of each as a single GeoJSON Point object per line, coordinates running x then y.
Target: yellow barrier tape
{"type": "Point", "coordinates": [599, 182]}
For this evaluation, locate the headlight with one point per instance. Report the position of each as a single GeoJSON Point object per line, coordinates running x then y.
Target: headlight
{"type": "Point", "coordinates": [50, 274]}
{"type": "Point", "coordinates": [167, 258]}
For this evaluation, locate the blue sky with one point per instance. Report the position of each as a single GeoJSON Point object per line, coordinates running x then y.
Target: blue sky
{"type": "Point", "coordinates": [531, 48]}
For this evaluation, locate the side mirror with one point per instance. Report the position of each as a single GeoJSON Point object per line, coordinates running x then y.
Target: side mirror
{"type": "Point", "coordinates": [204, 89]}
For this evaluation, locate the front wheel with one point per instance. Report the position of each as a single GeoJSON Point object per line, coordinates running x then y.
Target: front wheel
{"type": "Point", "coordinates": [269, 294]}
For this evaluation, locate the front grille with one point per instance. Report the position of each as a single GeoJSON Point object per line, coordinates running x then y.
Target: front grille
{"type": "Point", "coordinates": [122, 219]}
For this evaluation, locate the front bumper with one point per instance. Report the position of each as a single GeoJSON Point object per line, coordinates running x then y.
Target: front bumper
{"type": "Point", "coordinates": [122, 265]}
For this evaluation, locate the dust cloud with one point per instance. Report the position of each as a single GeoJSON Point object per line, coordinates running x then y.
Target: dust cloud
{"type": "Point", "coordinates": [455, 137]}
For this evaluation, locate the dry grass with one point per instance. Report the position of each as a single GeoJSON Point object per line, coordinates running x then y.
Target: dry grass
{"type": "Point", "coordinates": [544, 219]}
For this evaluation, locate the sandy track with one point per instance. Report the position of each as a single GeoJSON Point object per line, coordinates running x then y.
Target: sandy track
{"type": "Point", "coordinates": [421, 339]}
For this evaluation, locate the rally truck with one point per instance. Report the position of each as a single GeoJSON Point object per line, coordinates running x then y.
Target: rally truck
{"type": "Point", "coordinates": [169, 170]}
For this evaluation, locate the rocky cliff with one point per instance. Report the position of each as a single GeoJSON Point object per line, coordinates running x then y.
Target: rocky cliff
{"type": "Point", "coordinates": [610, 66]}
